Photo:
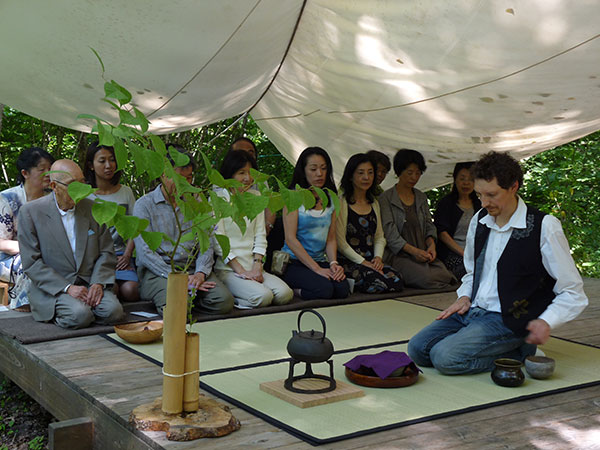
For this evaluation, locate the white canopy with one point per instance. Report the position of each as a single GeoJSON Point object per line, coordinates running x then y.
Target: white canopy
{"type": "Point", "coordinates": [450, 79]}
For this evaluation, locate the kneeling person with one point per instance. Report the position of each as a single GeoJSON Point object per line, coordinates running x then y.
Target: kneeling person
{"type": "Point", "coordinates": [521, 281]}
{"type": "Point", "coordinates": [69, 258]}
{"type": "Point", "coordinates": [154, 266]}
{"type": "Point", "coordinates": [242, 269]}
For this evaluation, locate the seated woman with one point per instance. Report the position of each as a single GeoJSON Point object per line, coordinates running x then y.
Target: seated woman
{"type": "Point", "coordinates": [408, 228]}
{"type": "Point", "coordinates": [100, 171]}
{"type": "Point", "coordinates": [242, 269]}
{"type": "Point", "coordinates": [452, 217]}
{"type": "Point", "coordinates": [32, 165]}
{"type": "Point", "coordinates": [382, 168]}
{"type": "Point", "coordinates": [359, 233]}
{"type": "Point", "coordinates": [313, 271]}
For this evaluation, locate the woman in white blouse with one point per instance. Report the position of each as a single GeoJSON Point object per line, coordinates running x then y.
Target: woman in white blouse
{"type": "Point", "coordinates": [242, 269]}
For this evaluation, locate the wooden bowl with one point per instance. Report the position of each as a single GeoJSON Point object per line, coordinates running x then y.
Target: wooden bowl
{"type": "Point", "coordinates": [389, 382]}
{"type": "Point", "coordinates": [140, 332]}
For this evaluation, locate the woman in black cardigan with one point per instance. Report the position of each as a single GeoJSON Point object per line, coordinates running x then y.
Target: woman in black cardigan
{"type": "Point", "coordinates": [452, 217]}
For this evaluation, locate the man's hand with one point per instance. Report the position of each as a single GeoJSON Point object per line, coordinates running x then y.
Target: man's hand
{"type": "Point", "coordinates": [460, 306]}
{"type": "Point", "coordinates": [78, 292]}
{"type": "Point", "coordinates": [94, 295]}
{"type": "Point", "coordinates": [197, 281]}
{"type": "Point", "coordinates": [539, 332]}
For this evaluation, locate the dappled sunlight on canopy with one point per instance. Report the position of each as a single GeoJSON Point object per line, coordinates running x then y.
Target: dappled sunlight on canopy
{"type": "Point", "coordinates": [451, 79]}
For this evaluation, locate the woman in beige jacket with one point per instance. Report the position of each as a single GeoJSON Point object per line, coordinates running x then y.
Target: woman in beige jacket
{"type": "Point", "coordinates": [359, 232]}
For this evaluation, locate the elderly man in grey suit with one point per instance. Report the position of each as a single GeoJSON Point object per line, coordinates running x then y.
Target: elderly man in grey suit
{"type": "Point", "coordinates": [68, 256]}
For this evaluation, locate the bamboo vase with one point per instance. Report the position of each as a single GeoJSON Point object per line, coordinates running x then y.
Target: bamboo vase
{"type": "Point", "coordinates": [174, 316]}
{"type": "Point", "coordinates": [191, 382]}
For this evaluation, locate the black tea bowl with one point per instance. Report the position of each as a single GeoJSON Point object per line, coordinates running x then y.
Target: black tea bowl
{"type": "Point", "coordinates": [507, 372]}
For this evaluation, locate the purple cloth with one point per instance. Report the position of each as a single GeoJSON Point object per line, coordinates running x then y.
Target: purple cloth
{"type": "Point", "coordinates": [383, 363]}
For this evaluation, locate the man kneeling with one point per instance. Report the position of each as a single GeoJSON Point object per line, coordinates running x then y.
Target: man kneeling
{"type": "Point", "coordinates": [521, 281]}
{"type": "Point", "coordinates": [69, 258]}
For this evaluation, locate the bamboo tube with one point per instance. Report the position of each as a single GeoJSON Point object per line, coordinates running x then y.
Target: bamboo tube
{"type": "Point", "coordinates": [191, 383]}
{"type": "Point", "coordinates": [174, 316]}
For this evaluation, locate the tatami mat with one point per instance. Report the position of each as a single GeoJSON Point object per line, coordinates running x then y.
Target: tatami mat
{"type": "Point", "coordinates": [237, 355]}
{"type": "Point", "coordinates": [251, 340]}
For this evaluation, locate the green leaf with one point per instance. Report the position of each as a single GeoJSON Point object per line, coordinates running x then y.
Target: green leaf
{"type": "Point", "coordinates": [120, 154]}
{"type": "Point", "coordinates": [253, 204]}
{"type": "Point", "coordinates": [114, 90]}
{"type": "Point", "coordinates": [105, 136]}
{"type": "Point", "coordinates": [139, 158]}
{"type": "Point", "coordinates": [127, 226]}
{"type": "Point", "coordinates": [203, 241]}
{"type": "Point", "coordinates": [104, 211]}
{"type": "Point", "coordinates": [205, 221]}
{"type": "Point", "coordinates": [322, 195]}
{"type": "Point", "coordinates": [158, 145]}
{"type": "Point", "coordinates": [182, 184]}
{"type": "Point", "coordinates": [259, 177]}
{"type": "Point", "coordinates": [216, 178]}
{"type": "Point", "coordinates": [126, 117]}
{"type": "Point", "coordinates": [143, 224]}
{"type": "Point", "coordinates": [220, 206]}
{"type": "Point", "coordinates": [90, 116]}
{"type": "Point", "coordinates": [179, 159]}
{"type": "Point", "coordinates": [275, 202]}
{"type": "Point", "coordinates": [124, 132]}
{"type": "Point", "coordinates": [142, 120]}
{"type": "Point", "coordinates": [153, 239]}
{"type": "Point", "coordinates": [240, 222]}
{"type": "Point", "coordinates": [308, 198]}
{"type": "Point", "coordinates": [223, 243]}
{"type": "Point", "coordinates": [335, 200]}
{"type": "Point", "coordinates": [292, 199]}
{"type": "Point", "coordinates": [78, 191]}
{"type": "Point", "coordinates": [187, 237]}
{"type": "Point", "coordinates": [231, 183]}
{"type": "Point", "coordinates": [156, 164]}
{"type": "Point", "coordinates": [207, 163]}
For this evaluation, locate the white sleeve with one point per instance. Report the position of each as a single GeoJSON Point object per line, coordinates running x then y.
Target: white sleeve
{"type": "Point", "coordinates": [570, 299]}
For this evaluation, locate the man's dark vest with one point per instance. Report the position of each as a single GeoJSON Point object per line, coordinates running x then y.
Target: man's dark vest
{"type": "Point", "coordinates": [524, 285]}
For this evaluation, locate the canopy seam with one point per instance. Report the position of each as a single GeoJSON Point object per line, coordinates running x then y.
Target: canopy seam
{"type": "Point", "coordinates": [300, 14]}
{"type": "Point", "coordinates": [446, 94]}
{"type": "Point", "coordinates": [209, 60]}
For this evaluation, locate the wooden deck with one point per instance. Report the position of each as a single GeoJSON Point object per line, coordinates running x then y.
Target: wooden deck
{"type": "Point", "coordinates": [91, 377]}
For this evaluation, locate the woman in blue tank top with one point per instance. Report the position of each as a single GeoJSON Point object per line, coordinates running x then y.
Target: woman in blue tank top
{"type": "Point", "coordinates": [310, 237]}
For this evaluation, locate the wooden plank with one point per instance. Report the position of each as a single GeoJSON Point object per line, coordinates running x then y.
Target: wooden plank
{"type": "Point", "coordinates": [63, 399]}
{"type": "Point", "coordinates": [74, 434]}
{"type": "Point", "coordinates": [342, 391]}
{"type": "Point", "coordinates": [89, 375]}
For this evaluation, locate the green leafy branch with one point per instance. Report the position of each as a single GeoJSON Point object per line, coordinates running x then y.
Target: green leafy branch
{"type": "Point", "coordinates": [200, 206]}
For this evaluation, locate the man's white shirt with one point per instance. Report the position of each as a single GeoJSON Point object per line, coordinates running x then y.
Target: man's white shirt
{"type": "Point", "coordinates": [570, 299]}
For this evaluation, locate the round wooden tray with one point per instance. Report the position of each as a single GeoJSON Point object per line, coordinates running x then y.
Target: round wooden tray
{"type": "Point", "coordinates": [390, 382]}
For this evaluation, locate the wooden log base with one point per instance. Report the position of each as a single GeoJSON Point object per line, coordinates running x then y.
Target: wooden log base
{"type": "Point", "coordinates": [212, 419]}
{"type": "Point", "coordinates": [343, 391]}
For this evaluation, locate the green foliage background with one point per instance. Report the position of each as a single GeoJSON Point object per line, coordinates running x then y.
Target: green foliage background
{"type": "Point", "coordinates": [563, 181]}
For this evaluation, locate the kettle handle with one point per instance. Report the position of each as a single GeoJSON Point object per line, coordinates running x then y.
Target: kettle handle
{"type": "Point", "coordinates": [316, 314]}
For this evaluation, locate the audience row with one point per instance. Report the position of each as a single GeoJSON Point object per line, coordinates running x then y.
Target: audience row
{"type": "Point", "coordinates": [379, 241]}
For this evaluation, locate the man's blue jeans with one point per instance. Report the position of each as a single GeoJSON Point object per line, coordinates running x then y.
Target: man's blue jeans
{"type": "Point", "coordinates": [467, 343]}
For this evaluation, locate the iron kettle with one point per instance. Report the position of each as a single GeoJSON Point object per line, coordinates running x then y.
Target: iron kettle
{"type": "Point", "coordinates": [310, 346]}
